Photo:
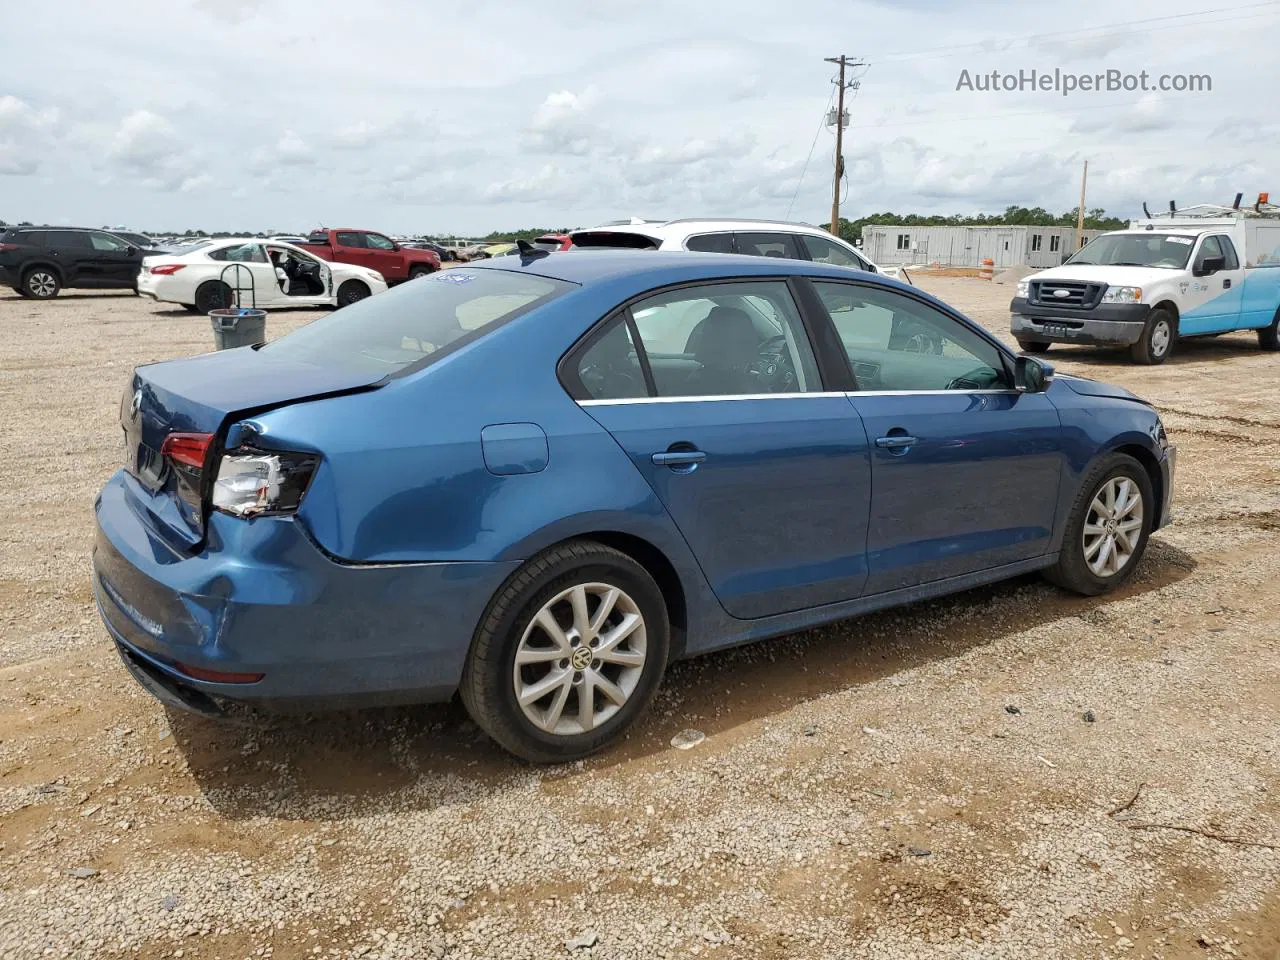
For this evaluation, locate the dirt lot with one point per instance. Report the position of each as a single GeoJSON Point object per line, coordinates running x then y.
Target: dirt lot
{"type": "Point", "coordinates": [952, 780]}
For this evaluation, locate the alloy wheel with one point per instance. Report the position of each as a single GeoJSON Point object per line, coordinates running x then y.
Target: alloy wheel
{"type": "Point", "coordinates": [42, 284]}
{"type": "Point", "coordinates": [580, 659]}
{"type": "Point", "coordinates": [1113, 526]}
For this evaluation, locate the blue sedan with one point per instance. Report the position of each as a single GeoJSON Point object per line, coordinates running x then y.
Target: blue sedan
{"type": "Point", "coordinates": [536, 482]}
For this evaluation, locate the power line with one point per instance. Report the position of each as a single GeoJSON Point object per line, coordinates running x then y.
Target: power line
{"type": "Point", "coordinates": [822, 122]}
{"type": "Point", "coordinates": [1021, 113]}
{"type": "Point", "coordinates": [1086, 33]}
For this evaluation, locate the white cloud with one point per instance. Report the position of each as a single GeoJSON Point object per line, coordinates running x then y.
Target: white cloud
{"type": "Point", "coordinates": [145, 147]}
{"type": "Point", "coordinates": [25, 136]}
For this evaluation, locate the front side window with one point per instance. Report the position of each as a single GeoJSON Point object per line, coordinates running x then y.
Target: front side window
{"type": "Point", "coordinates": [241, 253]}
{"type": "Point", "coordinates": [895, 342]}
{"type": "Point", "coordinates": [822, 250]}
{"type": "Point", "coordinates": [726, 339]}
{"type": "Point", "coordinates": [106, 242]}
{"type": "Point", "coordinates": [711, 243]}
{"type": "Point", "coordinates": [1229, 253]}
{"type": "Point", "coordinates": [768, 245]}
{"type": "Point", "coordinates": [376, 241]}
{"type": "Point", "coordinates": [406, 326]}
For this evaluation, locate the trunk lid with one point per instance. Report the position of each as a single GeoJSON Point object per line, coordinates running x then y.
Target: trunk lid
{"type": "Point", "coordinates": [204, 395]}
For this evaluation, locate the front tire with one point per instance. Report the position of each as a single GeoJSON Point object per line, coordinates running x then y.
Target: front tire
{"type": "Point", "coordinates": [40, 283]}
{"type": "Point", "coordinates": [1033, 346]}
{"type": "Point", "coordinates": [352, 291]}
{"type": "Point", "coordinates": [1269, 337]}
{"type": "Point", "coordinates": [569, 653]}
{"type": "Point", "coordinates": [212, 295]}
{"type": "Point", "coordinates": [1156, 342]}
{"type": "Point", "coordinates": [1107, 529]}
{"type": "Point", "coordinates": [419, 271]}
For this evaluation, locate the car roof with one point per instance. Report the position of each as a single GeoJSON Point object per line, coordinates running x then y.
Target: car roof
{"type": "Point", "coordinates": [594, 265]}
{"type": "Point", "coordinates": [702, 224]}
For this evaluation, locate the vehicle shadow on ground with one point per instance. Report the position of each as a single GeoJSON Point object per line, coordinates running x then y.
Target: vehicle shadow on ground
{"type": "Point", "coordinates": [1193, 350]}
{"type": "Point", "coordinates": [311, 767]}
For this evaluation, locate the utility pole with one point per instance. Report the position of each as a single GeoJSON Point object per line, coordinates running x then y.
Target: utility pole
{"type": "Point", "coordinates": [841, 120]}
{"type": "Point", "coordinates": [1084, 179]}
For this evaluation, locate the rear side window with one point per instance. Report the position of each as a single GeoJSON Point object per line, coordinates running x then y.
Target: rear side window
{"type": "Point", "coordinates": [769, 245]}
{"type": "Point", "coordinates": [350, 239]}
{"type": "Point", "coordinates": [822, 250]}
{"type": "Point", "coordinates": [69, 240]}
{"type": "Point", "coordinates": [33, 238]}
{"type": "Point", "coordinates": [409, 325]}
{"type": "Point", "coordinates": [711, 243]}
{"type": "Point", "coordinates": [244, 253]}
{"type": "Point", "coordinates": [610, 368]}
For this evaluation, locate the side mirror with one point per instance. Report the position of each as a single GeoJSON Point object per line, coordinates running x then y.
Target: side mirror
{"type": "Point", "coordinates": [131, 252]}
{"type": "Point", "coordinates": [1031, 375]}
{"type": "Point", "coordinates": [1209, 266]}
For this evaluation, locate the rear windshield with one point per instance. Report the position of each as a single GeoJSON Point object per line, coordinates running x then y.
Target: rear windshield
{"type": "Point", "coordinates": [611, 238]}
{"type": "Point", "coordinates": [389, 332]}
{"type": "Point", "coordinates": [1137, 250]}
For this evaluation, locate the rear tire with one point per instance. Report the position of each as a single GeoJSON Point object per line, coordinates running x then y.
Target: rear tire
{"type": "Point", "coordinates": [40, 283]}
{"type": "Point", "coordinates": [1156, 342]}
{"type": "Point", "coordinates": [352, 291]}
{"type": "Point", "coordinates": [212, 295]}
{"type": "Point", "coordinates": [1269, 337]}
{"type": "Point", "coordinates": [1084, 542]}
{"type": "Point", "coordinates": [550, 728]}
{"type": "Point", "coordinates": [1033, 346]}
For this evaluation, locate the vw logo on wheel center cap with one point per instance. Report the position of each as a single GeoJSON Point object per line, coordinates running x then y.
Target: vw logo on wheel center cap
{"type": "Point", "coordinates": [581, 658]}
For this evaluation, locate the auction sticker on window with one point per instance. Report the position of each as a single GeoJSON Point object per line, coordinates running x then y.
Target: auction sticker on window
{"type": "Point", "coordinates": [452, 277]}
{"type": "Point", "coordinates": [1187, 240]}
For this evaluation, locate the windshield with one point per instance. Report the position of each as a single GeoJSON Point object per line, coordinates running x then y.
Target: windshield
{"type": "Point", "coordinates": [1166, 250]}
{"type": "Point", "coordinates": [389, 332]}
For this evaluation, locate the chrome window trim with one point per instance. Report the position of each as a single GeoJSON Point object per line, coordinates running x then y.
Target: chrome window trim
{"type": "Point", "coordinates": [707, 399]}
{"type": "Point", "coordinates": [851, 394]}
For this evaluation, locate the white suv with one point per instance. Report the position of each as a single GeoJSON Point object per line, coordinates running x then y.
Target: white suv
{"type": "Point", "coordinates": [760, 238]}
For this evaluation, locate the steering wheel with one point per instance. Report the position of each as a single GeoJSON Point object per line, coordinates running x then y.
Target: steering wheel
{"type": "Point", "coordinates": [773, 365]}
{"type": "Point", "coordinates": [979, 378]}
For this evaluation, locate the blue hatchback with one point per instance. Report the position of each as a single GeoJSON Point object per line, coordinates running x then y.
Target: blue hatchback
{"type": "Point", "coordinates": [538, 481]}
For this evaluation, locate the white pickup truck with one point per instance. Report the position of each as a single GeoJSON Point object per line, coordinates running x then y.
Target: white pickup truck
{"type": "Point", "coordinates": [1202, 271]}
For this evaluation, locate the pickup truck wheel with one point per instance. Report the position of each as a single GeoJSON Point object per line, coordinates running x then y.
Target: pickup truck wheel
{"type": "Point", "coordinates": [212, 295]}
{"type": "Point", "coordinates": [1107, 529]}
{"type": "Point", "coordinates": [419, 271]}
{"type": "Point", "coordinates": [1156, 342]}
{"type": "Point", "coordinates": [1269, 337]}
{"type": "Point", "coordinates": [350, 292]}
{"type": "Point", "coordinates": [1033, 346]}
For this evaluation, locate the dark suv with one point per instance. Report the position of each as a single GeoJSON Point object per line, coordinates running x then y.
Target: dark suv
{"type": "Point", "coordinates": [40, 261]}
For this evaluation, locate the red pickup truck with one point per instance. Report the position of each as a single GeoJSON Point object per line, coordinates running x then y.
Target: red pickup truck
{"type": "Point", "coordinates": [368, 249]}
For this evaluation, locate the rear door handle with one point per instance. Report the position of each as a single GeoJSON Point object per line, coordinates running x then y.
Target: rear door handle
{"type": "Point", "coordinates": [678, 458]}
{"type": "Point", "coordinates": [896, 442]}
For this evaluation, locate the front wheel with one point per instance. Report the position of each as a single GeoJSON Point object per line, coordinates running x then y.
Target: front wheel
{"type": "Point", "coordinates": [352, 291]}
{"type": "Point", "coordinates": [569, 653]}
{"type": "Point", "coordinates": [1033, 346]}
{"type": "Point", "coordinates": [1107, 529]}
{"type": "Point", "coordinates": [1157, 338]}
{"type": "Point", "coordinates": [419, 271]}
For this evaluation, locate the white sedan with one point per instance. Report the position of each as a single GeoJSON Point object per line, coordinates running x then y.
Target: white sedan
{"type": "Point", "coordinates": [268, 273]}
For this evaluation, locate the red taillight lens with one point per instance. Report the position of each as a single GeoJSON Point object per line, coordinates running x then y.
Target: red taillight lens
{"type": "Point", "coordinates": [5, 247]}
{"type": "Point", "coordinates": [167, 269]}
{"type": "Point", "coordinates": [187, 449]}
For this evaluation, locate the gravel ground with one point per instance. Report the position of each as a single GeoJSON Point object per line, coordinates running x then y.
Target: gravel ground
{"type": "Point", "coordinates": [957, 779]}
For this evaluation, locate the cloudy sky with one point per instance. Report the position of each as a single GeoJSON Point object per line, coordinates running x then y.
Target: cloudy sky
{"type": "Point", "coordinates": [419, 116]}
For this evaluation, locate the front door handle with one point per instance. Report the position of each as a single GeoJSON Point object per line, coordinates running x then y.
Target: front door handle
{"type": "Point", "coordinates": [678, 458]}
{"type": "Point", "coordinates": [1226, 284]}
{"type": "Point", "coordinates": [896, 442]}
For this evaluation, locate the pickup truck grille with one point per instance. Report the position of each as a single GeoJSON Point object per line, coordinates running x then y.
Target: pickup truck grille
{"type": "Point", "coordinates": [1066, 293]}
